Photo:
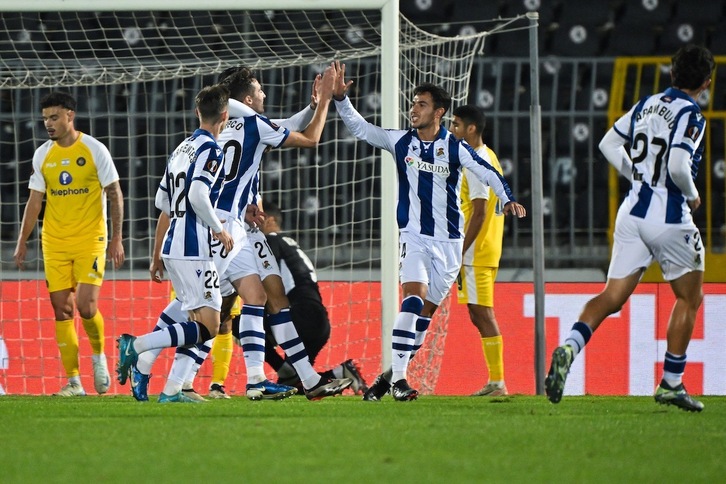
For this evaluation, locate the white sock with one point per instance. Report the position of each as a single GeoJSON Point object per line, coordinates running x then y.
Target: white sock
{"type": "Point", "coordinates": [252, 340]}
{"type": "Point", "coordinates": [289, 340]}
{"type": "Point", "coordinates": [183, 361]}
{"type": "Point", "coordinates": [403, 340]}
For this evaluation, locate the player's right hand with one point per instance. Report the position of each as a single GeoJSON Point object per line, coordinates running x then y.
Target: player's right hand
{"type": "Point", "coordinates": [19, 255]}
{"type": "Point", "coordinates": [225, 238]}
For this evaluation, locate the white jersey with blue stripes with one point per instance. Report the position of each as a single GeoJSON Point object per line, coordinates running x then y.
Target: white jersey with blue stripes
{"type": "Point", "coordinates": [654, 127]}
{"type": "Point", "coordinates": [198, 159]}
{"type": "Point", "coordinates": [244, 141]}
{"type": "Point", "coordinates": [429, 175]}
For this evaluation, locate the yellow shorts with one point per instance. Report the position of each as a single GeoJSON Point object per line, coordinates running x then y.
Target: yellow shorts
{"type": "Point", "coordinates": [65, 270]}
{"type": "Point", "coordinates": [476, 285]}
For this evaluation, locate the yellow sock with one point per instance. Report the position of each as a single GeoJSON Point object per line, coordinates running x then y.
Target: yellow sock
{"type": "Point", "coordinates": [94, 330]}
{"type": "Point", "coordinates": [67, 339]}
{"type": "Point", "coordinates": [494, 354]}
{"type": "Point", "coordinates": [221, 357]}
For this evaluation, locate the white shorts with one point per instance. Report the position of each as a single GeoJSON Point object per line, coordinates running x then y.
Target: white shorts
{"type": "Point", "coordinates": [677, 248]}
{"type": "Point", "coordinates": [196, 283]}
{"type": "Point", "coordinates": [255, 257]}
{"type": "Point", "coordinates": [222, 258]}
{"type": "Point", "coordinates": [429, 261]}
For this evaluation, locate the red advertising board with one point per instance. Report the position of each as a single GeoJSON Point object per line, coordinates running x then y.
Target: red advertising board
{"type": "Point", "coordinates": [624, 356]}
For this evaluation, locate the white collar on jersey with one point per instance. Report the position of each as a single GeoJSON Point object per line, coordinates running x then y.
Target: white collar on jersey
{"type": "Point", "coordinates": [238, 109]}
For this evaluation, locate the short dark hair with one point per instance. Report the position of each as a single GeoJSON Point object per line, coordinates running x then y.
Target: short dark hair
{"type": "Point", "coordinates": [472, 114]}
{"type": "Point", "coordinates": [272, 210]}
{"type": "Point", "coordinates": [692, 65]}
{"type": "Point", "coordinates": [212, 102]}
{"type": "Point", "coordinates": [441, 98]}
{"type": "Point", "coordinates": [238, 80]}
{"type": "Point", "coordinates": [58, 98]}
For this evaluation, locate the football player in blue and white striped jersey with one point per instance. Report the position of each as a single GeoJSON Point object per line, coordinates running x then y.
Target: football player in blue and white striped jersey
{"type": "Point", "coordinates": [253, 273]}
{"type": "Point", "coordinates": [187, 194]}
{"type": "Point", "coordinates": [664, 133]}
{"type": "Point", "coordinates": [429, 162]}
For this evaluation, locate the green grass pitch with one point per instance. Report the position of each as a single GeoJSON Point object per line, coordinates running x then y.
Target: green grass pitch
{"type": "Point", "coordinates": [434, 439]}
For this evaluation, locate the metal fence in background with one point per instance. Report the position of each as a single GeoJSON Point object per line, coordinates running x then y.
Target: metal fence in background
{"type": "Point", "coordinates": [330, 198]}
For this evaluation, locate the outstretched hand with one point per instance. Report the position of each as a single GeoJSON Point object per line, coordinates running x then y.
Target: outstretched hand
{"type": "Point", "coordinates": [515, 209]}
{"type": "Point", "coordinates": [341, 87]}
{"type": "Point", "coordinates": [327, 82]}
{"type": "Point", "coordinates": [314, 96]}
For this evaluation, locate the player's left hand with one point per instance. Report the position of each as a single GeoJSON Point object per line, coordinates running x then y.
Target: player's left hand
{"type": "Point", "coordinates": [515, 209]}
{"type": "Point", "coordinates": [341, 87]}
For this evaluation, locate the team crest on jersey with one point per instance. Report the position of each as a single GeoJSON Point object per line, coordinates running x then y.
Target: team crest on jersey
{"type": "Point", "coordinates": [65, 178]}
{"type": "Point", "coordinates": [208, 295]}
{"type": "Point", "coordinates": [81, 161]}
{"type": "Point", "coordinates": [266, 264]}
{"type": "Point", "coordinates": [440, 151]}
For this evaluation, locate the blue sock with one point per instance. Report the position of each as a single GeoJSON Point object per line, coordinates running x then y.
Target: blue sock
{"type": "Point", "coordinates": [673, 368]}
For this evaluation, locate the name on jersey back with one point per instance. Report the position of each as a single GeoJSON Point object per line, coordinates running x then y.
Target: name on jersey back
{"type": "Point", "coordinates": [658, 110]}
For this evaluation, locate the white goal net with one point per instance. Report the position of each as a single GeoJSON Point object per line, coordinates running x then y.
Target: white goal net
{"type": "Point", "coordinates": [135, 75]}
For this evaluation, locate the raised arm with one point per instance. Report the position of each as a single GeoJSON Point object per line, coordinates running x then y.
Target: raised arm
{"type": "Point", "coordinates": [310, 137]}
{"type": "Point", "coordinates": [361, 129]}
{"type": "Point", "coordinates": [299, 121]}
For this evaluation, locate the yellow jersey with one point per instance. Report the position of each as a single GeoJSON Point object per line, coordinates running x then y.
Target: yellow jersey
{"type": "Point", "coordinates": [487, 248]}
{"type": "Point", "coordinates": [73, 180]}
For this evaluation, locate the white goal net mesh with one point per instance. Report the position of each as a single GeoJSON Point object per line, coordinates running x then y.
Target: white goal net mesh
{"type": "Point", "coordinates": [135, 75]}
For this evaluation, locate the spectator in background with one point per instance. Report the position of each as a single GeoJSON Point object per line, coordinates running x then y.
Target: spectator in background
{"type": "Point", "coordinates": [483, 233]}
{"type": "Point", "coordinates": [76, 174]}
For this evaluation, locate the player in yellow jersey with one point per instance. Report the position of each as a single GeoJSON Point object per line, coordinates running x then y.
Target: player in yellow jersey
{"type": "Point", "coordinates": [484, 222]}
{"type": "Point", "coordinates": [76, 174]}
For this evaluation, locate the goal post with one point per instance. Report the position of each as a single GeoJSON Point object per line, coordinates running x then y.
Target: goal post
{"type": "Point", "coordinates": [137, 96]}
